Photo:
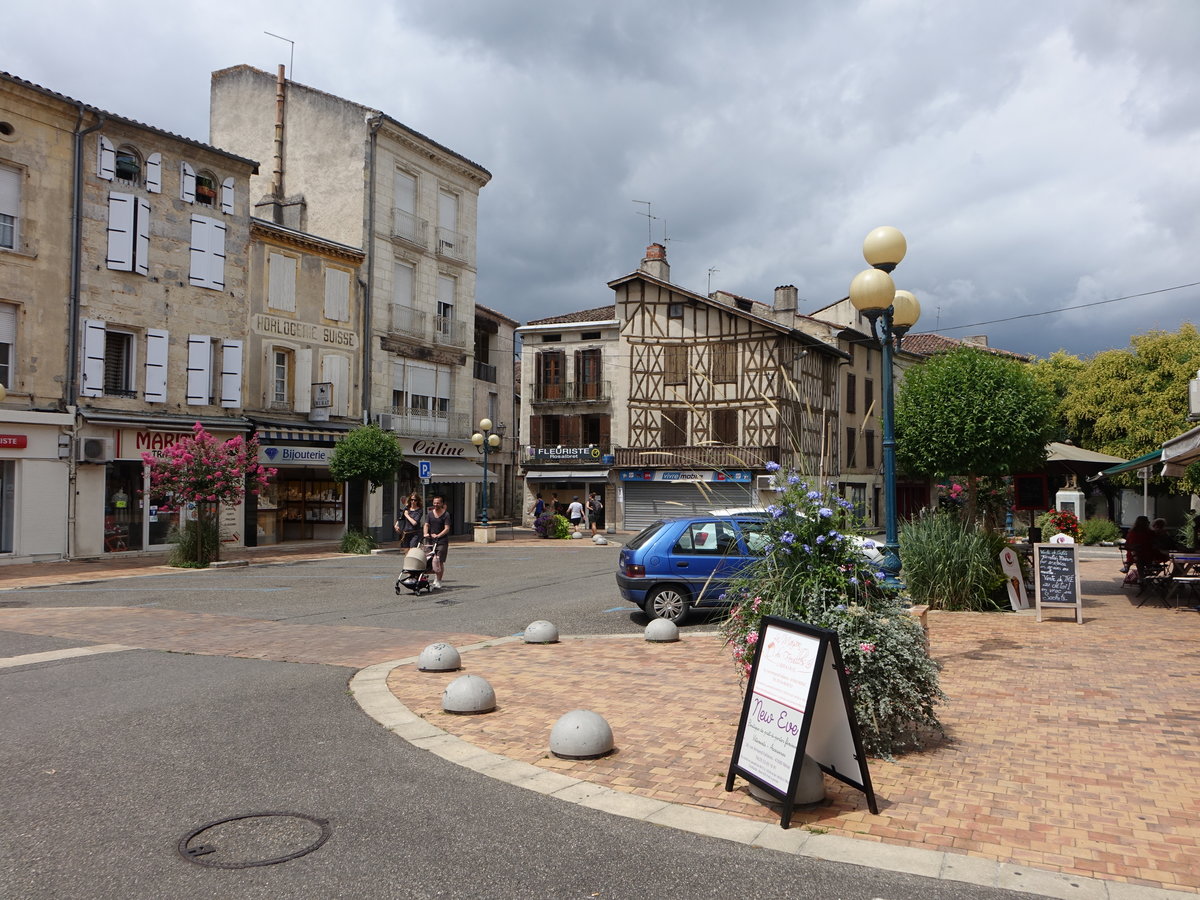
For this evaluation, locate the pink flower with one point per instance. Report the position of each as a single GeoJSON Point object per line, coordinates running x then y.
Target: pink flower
{"type": "Point", "coordinates": [866, 647]}
{"type": "Point", "coordinates": [752, 638]}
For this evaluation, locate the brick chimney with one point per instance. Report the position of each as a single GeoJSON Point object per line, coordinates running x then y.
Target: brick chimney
{"type": "Point", "coordinates": [786, 296]}
{"type": "Point", "coordinates": [655, 263]}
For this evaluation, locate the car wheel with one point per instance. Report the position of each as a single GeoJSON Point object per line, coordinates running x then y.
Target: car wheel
{"type": "Point", "coordinates": [667, 602]}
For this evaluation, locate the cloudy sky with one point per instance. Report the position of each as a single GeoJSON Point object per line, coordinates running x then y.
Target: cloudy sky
{"type": "Point", "coordinates": [1037, 155]}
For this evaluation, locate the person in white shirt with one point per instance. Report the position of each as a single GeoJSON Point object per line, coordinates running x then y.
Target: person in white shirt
{"type": "Point", "coordinates": [575, 512]}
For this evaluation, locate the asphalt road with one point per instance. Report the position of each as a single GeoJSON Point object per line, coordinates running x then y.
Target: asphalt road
{"type": "Point", "coordinates": [109, 761]}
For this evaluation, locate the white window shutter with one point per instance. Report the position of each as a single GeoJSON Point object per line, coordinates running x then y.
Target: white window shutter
{"type": "Point", "coordinates": [187, 183]}
{"type": "Point", "coordinates": [141, 252]}
{"type": "Point", "coordinates": [216, 255]}
{"type": "Point", "coordinates": [154, 173]}
{"type": "Point", "coordinates": [157, 342]}
{"type": "Point", "coordinates": [120, 231]}
{"type": "Point", "coordinates": [199, 370]}
{"type": "Point", "coordinates": [304, 379]}
{"type": "Point", "coordinates": [336, 370]}
{"type": "Point", "coordinates": [337, 295]}
{"type": "Point", "coordinates": [281, 282]}
{"type": "Point", "coordinates": [227, 196]}
{"type": "Point", "coordinates": [231, 374]}
{"type": "Point", "coordinates": [93, 358]}
{"type": "Point", "coordinates": [106, 161]}
{"type": "Point", "coordinates": [198, 274]}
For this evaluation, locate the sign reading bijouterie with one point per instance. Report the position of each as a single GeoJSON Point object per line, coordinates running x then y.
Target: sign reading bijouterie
{"type": "Point", "coordinates": [273, 326]}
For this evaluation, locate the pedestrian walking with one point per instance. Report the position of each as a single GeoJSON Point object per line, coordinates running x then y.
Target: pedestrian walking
{"type": "Point", "coordinates": [596, 513]}
{"type": "Point", "coordinates": [408, 524]}
{"type": "Point", "coordinates": [437, 537]}
{"type": "Point", "coordinates": [575, 513]}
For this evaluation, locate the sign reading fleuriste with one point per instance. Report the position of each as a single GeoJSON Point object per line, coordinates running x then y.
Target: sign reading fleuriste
{"type": "Point", "coordinates": [797, 703]}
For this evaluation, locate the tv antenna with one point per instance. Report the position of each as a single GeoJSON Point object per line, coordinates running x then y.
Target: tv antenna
{"type": "Point", "coordinates": [291, 56]}
{"type": "Point", "coordinates": [649, 220]}
{"type": "Point", "coordinates": [711, 270]}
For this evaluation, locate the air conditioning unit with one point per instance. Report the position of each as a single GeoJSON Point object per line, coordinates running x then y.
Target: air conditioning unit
{"type": "Point", "coordinates": [94, 450]}
{"type": "Point", "coordinates": [763, 482]}
{"type": "Point", "coordinates": [386, 421]}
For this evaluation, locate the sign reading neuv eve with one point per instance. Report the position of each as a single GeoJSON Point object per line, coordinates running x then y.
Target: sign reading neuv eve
{"type": "Point", "coordinates": [797, 703]}
{"type": "Point", "coordinates": [1056, 578]}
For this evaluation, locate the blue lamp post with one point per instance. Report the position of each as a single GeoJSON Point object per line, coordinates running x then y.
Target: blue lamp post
{"type": "Point", "coordinates": [891, 313]}
{"type": "Point", "coordinates": [484, 439]}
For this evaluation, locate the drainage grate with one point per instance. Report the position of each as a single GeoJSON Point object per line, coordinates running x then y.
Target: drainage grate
{"type": "Point", "coordinates": [254, 839]}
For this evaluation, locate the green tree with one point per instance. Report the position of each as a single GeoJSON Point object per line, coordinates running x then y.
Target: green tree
{"type": "Point", "coordinates": [974, 413]}
{"type": "Point", "coordinates": [1127, 402]}
{"type": "Point", "coordinates": [368, 452]}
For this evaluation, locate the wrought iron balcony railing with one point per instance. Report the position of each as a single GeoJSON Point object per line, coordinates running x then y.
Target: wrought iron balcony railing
{"type": "Point", "coordinates": [699, 457]}
{"type": "Point", "coordinates": [572, 392]}
{"type": "Point", "coordinates": [410, 228]}
{"type": "Point", "coordinates": [452, 244]}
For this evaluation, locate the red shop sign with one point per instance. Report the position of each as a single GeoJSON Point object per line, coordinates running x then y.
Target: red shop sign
{"type": "Point", "coordinates": [13, 441]}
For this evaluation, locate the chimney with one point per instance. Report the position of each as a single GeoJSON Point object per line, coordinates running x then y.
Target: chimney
{"type": "Point", "coordinates": [785, 298]}
{"type": "Point", "coordinates": [979, 340]}
{"type": "Point", "coordinates": [655, 263]}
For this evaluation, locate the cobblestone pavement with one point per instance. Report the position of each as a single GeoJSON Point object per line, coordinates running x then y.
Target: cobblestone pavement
{"type": "Point", "coordinates": [1073, 749]}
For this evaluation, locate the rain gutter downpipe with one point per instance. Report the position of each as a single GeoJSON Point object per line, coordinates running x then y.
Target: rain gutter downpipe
{"type": "Point", "coordinates": [374, 123]}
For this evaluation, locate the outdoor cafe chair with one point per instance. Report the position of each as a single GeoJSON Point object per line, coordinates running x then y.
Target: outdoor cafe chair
{"type": "Point", "coordinates": [1154, 579]}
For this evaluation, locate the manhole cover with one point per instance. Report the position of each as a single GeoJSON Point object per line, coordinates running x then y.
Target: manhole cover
{"type": "Point", "coordinates": [254, 839]}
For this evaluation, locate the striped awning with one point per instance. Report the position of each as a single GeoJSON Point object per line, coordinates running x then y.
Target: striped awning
{"type": "Point", "coordinates": [272, 433]}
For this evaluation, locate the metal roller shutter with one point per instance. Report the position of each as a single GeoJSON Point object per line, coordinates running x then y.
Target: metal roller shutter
{"type": "Point", "coordinates": [648, 501]}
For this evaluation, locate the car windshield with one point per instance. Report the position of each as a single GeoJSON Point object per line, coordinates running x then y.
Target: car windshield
{"type": "Point", "coordinates": [645, 535]}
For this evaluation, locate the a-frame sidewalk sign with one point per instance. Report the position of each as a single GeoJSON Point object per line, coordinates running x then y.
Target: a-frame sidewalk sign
{"type": "Point", "coordinates": [797, 702]}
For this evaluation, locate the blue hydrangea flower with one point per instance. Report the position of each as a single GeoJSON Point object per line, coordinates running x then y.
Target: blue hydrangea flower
{"type": "Point", "coordinates": [776, 511]}
{"type": "Point", "coordinates": [772, 467]}
{"type": "Point", "coordinates": [868, 544]}
{"type": "Point", "coordinates": [845, 504]}
{"type": "Point", "coordinates": [881, 575]}
{"type": "Point", "coordinates": [825, 512]}
{"type": "Point", "coordinates": [787, 537]}
{"type": "Point", "coordinates": [807, 549]}
{"type": "Point", "coordinates": [820, 538]}
{"type": "Point", "coordinates": [793, 479]}
{"type": "Point", "coordinates": [813, 495]}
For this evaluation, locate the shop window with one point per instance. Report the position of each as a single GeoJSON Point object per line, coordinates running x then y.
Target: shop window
{"type": "Point", "coordinates": [7, 506]}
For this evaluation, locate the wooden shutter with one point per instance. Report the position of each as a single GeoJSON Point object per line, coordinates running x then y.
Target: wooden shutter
{"type": "Point", "coordinates": [605, 432]}
{"type": "Point", "coordinates": [304, 380]}
{"type": "Point", "coordinates": [120, 231]}
{"type": "Point", "coordinates": [231, 374]}
{"type": "Point", "coordinates": [337, 294]}
{"type": "Point", "coordinates": [336, 370]}
{"type": "Point", "coordinates": [157, 342]}
{"type": "Point", "coordinates": [216, 254]}
{"type": "Point", "coordinates": [93, 358]}
{"type": "Point", "coordinates": [187, 183]}
{"type": "Point", "coordinates": [535, 431]}
{"type": "Point", "coordinates": [571, 434]}
{"type": "Point", "coordinates": [154, 173]}
{"type": "Point", "coordinates": [199, 370]}
{"type": "Point", "coordinates": [227, 196]}
{"type": "Point", "coordinates": [281, 282]}
{"type": "Point", "coordinates": [106, 161]}
{"type": "Point", "coordinates": [141, 244]}
{"type": "Point", "coordinates": [198, 273]}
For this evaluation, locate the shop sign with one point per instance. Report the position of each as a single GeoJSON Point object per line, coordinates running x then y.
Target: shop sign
{"type": "Point", "coordinates": [421, 447]}
{"type": "Point", "coordinates": [134, 443]}
{"type": "Point", "coordinates": [273, 326]}
{"type": "Point", "coordinates": [592, 454]}
{"type": "Point", "coordinates": [294, 456]}
{"type": "Point", "coordinates": [738, 476]}
{"type": "Point", "coordinates": [13, 441]}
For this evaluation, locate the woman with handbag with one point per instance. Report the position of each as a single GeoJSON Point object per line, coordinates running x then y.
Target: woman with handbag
{"type": "Point", "coordinates": [437, 537]}
{"type": "Point", "coordinates": [408, 526]}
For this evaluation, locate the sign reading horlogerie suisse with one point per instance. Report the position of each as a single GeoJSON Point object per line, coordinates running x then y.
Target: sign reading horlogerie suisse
{"type": "Point", "coordinates": [13, 441]}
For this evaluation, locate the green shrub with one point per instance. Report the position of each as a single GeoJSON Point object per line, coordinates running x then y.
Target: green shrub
{"type": "Point", "coordinates": [1096, 530]}
{"type": "Point", "coordinates": [813, 571]}
{"type": "Point", "coordinates": [951, 564]}
{"type": "Point", "coordinates": [357, 541]}
{"type": "Point", "coordinates": [559, 527]}
{"type": "Point", "coordinates": [188, 550]}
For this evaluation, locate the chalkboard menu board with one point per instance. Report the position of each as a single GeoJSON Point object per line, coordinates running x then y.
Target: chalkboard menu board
{"type": "Point", "coordinates": [1056, 578]}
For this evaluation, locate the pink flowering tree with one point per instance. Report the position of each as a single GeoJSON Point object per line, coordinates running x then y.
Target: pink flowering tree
{"type": "Point", "coordinates": [207, 472]}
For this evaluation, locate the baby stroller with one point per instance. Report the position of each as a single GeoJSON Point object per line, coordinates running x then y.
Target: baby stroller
{"type": "Point", "coordinates": [416, 571]}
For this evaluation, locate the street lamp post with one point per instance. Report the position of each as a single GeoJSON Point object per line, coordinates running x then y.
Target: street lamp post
{"type": "Point", "coordinates": [891, 313]}
{"type": "Point", "coordinates": [485, 439]}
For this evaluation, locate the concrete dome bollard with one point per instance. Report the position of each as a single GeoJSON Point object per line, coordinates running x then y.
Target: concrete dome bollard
{"type": "Point", "coordinates": [468, 695]}
{"type": "Point", "coordinates": [581, 734]}
{"type": "Point", "coordinates": [576, 535]}
{"type": "Point", "coordinates": [810, 788]}
{"type": "Point", "coordinates": [662, 631]}
{"type": "Point", "coordinates": [599, 539]}
{"type": "Point", "coordinates": [541, 632]}
{"type": "Point", "coordinates": [439, 657]}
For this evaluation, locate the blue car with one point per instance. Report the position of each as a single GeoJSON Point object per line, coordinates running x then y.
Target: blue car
{"type": "Point", "coordinates": [677, 564]}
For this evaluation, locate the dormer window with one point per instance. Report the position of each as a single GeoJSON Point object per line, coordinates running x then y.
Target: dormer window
{"type": "Point", "coordinates": [127, 166]}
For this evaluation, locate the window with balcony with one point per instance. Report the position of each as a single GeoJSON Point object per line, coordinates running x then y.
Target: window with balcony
{"type": "Point", "coordinates": [724, 428]}
{"type": "Point", "coordinates": [447, 289]}
{"type": "Point", "coordinates": [674, 428]}
{"type": "Point", "coordinates": [405, 222]}
{"type": "Point", "coordinates": [550, 376]}
{"type": "Point", "coordinates": [10, 206]}
{"type": "Point", "coordinates": [588, 375]}
{"type": "Point", "coordinates": [675, 363]}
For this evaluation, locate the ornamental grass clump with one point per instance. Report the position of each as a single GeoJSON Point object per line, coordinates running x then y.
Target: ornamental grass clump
{"type": "Point", "coordinates": [814, 569]}
{"type": "Point", "coordinates": [951, 563]}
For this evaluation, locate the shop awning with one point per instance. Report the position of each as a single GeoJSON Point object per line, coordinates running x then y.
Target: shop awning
{"type": "Point", "coordinates": [568, 475]}
{"type": "Point", "coordinates": [270, 433]}
{"type": "Point", "coordinates": [1144, 461]}
{"type": "Point", "coordinates": [1180, 452]}
{"type": "Point", "coordinates": [456, 470]}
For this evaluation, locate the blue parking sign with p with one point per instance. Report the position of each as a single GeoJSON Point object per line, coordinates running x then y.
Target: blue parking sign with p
{"type": "Point", "coordinates": [424, 468]}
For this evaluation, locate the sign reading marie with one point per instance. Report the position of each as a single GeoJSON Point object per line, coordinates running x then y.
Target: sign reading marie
{"type": "Point", "coordinates": [294, 456]}
{"type": "Point", "coordinates": [274, 326]}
